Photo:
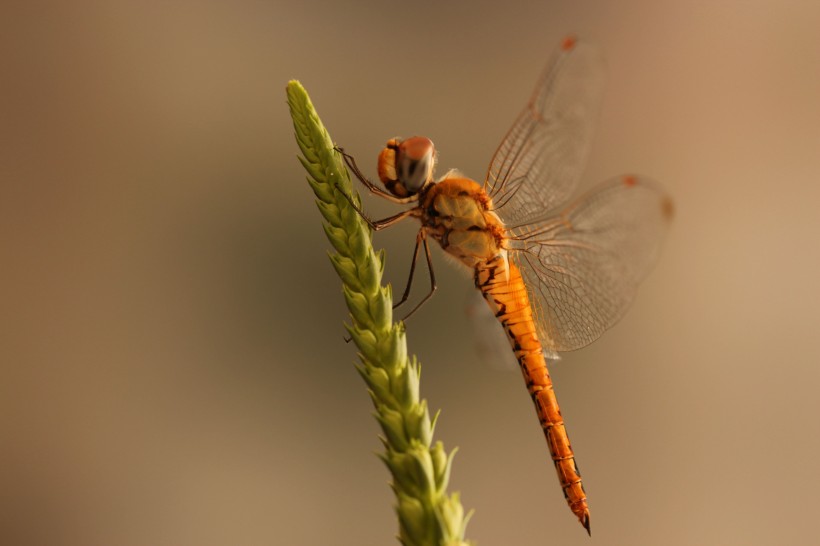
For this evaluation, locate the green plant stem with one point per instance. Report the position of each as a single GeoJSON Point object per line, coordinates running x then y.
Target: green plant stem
{"type": "Point", "coordinates": [428, 515]}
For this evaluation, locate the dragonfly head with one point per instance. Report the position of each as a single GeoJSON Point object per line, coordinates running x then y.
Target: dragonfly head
{"type": "Point", "coordinates": [406, 165]}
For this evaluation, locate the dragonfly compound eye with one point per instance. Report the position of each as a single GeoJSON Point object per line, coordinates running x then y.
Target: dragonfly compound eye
{"type": "Point", "coordinates": [414, 163]}
{"type": "Point", "coordinates": [405, 166]}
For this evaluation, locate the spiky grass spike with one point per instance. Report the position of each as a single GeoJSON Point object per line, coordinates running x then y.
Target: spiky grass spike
{"type": "Point", "coordinates": [428, 515]}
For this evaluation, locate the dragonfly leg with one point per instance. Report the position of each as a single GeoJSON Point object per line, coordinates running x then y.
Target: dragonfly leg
{"type": "Point", "coordinates": [351, 164]}
{"type": "Point", "coordinates": [376, 225]}
{"type": "Point", "coordinates": [381, 224]}
{"type": "Point", "coordinates": [412, 271]}
{"type": "Point", "coordinates": [422, 237]}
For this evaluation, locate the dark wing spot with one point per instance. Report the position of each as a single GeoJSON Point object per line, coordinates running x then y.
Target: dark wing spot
{"type": "Point", "coordinates": [474, 228]}
{"type": "Point", "coordinates": [667, 209]}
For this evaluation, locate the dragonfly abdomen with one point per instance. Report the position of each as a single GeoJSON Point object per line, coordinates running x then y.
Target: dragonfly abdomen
{"type": "Point", "coordinates": [503, 287]}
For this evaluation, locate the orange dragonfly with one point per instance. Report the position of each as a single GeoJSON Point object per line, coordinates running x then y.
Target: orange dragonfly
{"type": "Point", "coordinates": [556, 275]}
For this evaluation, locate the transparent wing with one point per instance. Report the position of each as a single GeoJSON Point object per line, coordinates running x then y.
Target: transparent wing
{"type": "Point", "coordinates": [537, 165]}
{"type": "Point", "coordinates": [583, 265]}
{"type": "Point", "coordinates": [490, 343]}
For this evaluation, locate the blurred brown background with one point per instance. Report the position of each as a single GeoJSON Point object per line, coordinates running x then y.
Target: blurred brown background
{"type": "Point", "coordinates": [173, 370]}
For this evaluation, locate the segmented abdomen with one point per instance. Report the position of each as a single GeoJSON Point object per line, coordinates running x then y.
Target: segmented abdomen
{"type": "Point", "coordinates": [502, 286]}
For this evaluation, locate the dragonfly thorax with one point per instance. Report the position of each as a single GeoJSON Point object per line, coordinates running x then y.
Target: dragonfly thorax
{"type": "Point", "coordinates": [406, 165]}
{"type": "Point", "coordinates": [457, 213]}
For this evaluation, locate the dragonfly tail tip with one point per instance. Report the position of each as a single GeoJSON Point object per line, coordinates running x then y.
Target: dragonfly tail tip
{"type": "Point", "coordinates": [585, 523]}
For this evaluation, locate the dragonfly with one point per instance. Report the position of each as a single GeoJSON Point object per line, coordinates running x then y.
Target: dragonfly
{"type": "Point", "coordinates": [555, 272]}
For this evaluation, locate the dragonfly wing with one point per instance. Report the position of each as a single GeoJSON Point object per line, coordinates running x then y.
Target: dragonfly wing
{"type": "Point", "coordinates": [492, 347]}
{"type": "Point", "coordinates": [583, 265]}
{"type": "Point", "coordinates": [538, 164]}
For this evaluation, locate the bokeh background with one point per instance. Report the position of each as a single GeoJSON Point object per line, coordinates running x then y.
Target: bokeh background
{"type": "Point", "coordinates": [172, 369]}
